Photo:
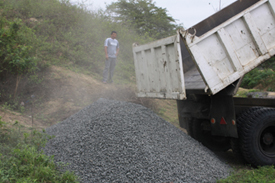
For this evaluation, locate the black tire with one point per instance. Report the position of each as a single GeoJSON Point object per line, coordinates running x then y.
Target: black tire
{"type": "Point", "coordinates": [202, 134]}
{"type": "Point", "coordinates": [257, 137]}
{"type": "Point", "coordinates": [235, 142]}
{"type": "Point", "coordinates": [237, 152]}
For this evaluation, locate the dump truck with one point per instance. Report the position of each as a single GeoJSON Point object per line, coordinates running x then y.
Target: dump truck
{"type": "Point", "coordinates": [202, 68]}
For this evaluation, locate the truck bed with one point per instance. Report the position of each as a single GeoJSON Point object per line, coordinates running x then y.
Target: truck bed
{"type": "Point", "coordinates": [209, 56]}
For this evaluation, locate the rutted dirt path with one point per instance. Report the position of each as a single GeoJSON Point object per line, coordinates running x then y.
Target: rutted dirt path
{"type": "Point", "coordinates": [62, 93]}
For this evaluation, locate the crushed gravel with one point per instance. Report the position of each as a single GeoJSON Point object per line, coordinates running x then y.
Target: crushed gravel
{"type": "Point", "coordinates": [113, 141]}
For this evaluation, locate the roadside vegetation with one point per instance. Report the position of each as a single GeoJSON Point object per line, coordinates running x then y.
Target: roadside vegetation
{"type": "Point", "coordinates": [262, 77]}
{"type": "Point", "coordinates": [21, 158]}
{"type": "Point", "coordinates": [251, 175]}
{"type": "Point", "coordinates": [38, 34]}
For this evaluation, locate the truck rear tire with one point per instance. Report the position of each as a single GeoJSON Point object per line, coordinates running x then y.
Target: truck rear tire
{"type": "Point", "coordinates": [235, 142]}
{"type": "Point", "coordinates": [202, 133]}
{"type": "Point", "coordinates": [237, 152]}
{"type": "Point", "coordinates": [257, 137]}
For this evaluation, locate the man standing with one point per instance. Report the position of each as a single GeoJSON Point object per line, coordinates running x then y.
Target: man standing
{"type": "Point", "coordinates": [111, 47]}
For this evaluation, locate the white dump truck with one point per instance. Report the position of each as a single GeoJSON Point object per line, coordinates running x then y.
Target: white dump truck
{"type": "Point", "coordinates": [202, 69]}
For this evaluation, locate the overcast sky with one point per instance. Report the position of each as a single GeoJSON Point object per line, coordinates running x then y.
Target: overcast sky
{"type": "Point", "coordinates": [187, 12]}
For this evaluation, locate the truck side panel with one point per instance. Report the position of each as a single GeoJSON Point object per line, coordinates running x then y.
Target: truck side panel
{"type": "Point", "coordinates": [159, 70]}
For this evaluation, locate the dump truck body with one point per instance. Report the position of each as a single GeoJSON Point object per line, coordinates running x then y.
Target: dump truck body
{"type": "Point", "coordinates": [207, 60]}
{"type": "Point", "coordinates": [202, 68]}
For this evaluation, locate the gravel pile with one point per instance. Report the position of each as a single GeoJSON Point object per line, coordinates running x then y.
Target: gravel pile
{"type": "Point", "coordinates": [111, 141]}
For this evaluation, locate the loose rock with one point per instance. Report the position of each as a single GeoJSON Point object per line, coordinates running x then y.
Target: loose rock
{"type": "Point", "coordinates": [113, 141]}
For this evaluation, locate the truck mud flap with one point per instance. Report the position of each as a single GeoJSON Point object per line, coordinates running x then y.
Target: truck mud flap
{"type": "Point", "coordinates": [222, 116]}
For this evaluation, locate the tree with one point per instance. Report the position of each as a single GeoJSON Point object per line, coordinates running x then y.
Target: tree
{"type": "Point", "coordinates": [144, 16]}
{"type": "Point", "coordinates": [16, 54]}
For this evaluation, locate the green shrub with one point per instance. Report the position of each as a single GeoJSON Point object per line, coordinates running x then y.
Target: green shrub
{"type": "Point", "coordinates": [21, 158]}
{"type": "Point", "coordinates": [265, 77]}
{"type": "Point", "coordinates": [28, 164]}
{"type": "Point", "coordinates": [262, 77]}
{"type": "Point", "coordinates": [17, 54]}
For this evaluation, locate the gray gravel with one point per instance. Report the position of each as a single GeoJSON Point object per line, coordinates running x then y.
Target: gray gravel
{"type": "Point", "coordinates": [112, 141]}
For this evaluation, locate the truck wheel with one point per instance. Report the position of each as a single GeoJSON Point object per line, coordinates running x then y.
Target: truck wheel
{"type": "Point", "coordinates": [235, 146]}
{"type": "Point", "coordinates": [235, 142]}
{"type": "Point", "coordinates": [257, 137]}
{"type": "Point", "coordinates": [202, 133]}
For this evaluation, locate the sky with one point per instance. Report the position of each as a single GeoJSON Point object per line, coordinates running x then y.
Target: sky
{"type": "Point", "coordinates": [186, 12]}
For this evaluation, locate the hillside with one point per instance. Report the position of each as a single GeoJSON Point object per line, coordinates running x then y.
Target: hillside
{"type": "Point", "coordinates": [53, 42]}
{"type": "Point", "coordinates": [63, 92]}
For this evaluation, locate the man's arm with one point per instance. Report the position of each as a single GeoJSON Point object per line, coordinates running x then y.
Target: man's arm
{"type": "Point", "coordinates": [106, 53]}
{"type": "Point", "coordinates": [117, 50]}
